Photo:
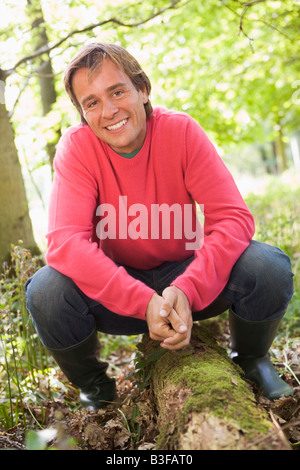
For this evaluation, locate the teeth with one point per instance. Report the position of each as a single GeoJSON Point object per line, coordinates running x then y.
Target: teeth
{"type": "Point", "coordinates": [117, 126]}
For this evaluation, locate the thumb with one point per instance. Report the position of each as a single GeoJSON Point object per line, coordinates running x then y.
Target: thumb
{"type": "Point", "coordinates": [170, 298]}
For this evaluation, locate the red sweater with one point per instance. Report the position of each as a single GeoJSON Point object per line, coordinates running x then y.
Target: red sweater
{"type": "Point", "coordinates": [176, 165]}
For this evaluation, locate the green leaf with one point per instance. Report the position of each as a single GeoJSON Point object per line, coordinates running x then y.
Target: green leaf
{"type": "Point", "coordinates": [38, 440]}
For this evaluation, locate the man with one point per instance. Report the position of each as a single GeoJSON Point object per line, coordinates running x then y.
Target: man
{"type": "Point", "coordinates": [126, 251]}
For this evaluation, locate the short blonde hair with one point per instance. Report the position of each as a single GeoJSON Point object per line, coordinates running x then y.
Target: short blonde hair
{"type": "Point", "coordinates": [91, 57]}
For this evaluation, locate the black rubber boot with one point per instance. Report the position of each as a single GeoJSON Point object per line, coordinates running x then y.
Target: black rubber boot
{"type": "Point", "coordinates": [250, 343]}
{"type": "Point", "coordinates": [81, 366]}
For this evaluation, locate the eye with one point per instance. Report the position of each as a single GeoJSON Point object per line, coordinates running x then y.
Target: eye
{"type": "Point", "coordinates": [118, 93]}
{"type": "Point", "coordinates": [92, 104]}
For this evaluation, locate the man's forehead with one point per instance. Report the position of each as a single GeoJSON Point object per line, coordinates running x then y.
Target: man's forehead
{"type": "Point", "coordinates": [97, 68]}
{"type": "Point", "coordinates": [106, 74]}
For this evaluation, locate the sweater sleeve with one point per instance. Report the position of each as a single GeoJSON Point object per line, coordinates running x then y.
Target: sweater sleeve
{"type": "Point", "coordinates": [71, 250]}
{"type": "Point", "coordinates": [228, 224]}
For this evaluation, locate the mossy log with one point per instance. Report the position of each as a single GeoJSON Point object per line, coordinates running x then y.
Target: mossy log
{"type": "Point", "coordinates": [202, 400]}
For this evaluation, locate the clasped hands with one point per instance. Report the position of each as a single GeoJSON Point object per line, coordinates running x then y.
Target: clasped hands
{"type": "Point", "coordinates": [169, 318]}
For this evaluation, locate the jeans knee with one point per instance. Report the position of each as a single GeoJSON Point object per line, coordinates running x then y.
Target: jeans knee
{"type": "Point", "coordinates": [35, 290]}
{"type": "Point", "coordinates": [44, 293]}
{"type": "Point", "coordinates": [58, 309]}
{"type": "Point", "coordinates": [261, 282]}
{"type": "Point", "coordinates": [270, 269]}
{"type": "Point", "coordinates": [37, 287]}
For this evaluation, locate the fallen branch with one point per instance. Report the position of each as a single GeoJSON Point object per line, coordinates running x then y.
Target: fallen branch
{"type": "Point", "coordinates": [203, 403]}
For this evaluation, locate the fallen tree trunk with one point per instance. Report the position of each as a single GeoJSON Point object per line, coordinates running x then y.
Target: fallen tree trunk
{"type": "Point", "coordinates": [203, 403]}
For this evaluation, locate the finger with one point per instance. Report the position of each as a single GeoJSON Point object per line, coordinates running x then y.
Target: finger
{"type": "Point", "coordinates": [170, 299]}
{"type": "Point", "coordinates": [177, 323]}
{"type": "Point", "coordinates": [176, 342]}
{"type": "Point", "coordinates": [165, 309]}
{"type": "Point", "coordinates": [162, 330]}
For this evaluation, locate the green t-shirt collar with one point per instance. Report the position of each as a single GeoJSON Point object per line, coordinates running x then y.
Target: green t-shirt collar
{"type": "Point", "coordinates": [131, 154]}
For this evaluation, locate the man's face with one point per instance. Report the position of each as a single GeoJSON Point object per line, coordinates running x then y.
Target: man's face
{"type": "Point", "coordinates": [112, 106]}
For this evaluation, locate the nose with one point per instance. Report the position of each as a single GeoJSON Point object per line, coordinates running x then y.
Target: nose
{"type": "Point", "coordinates": [109, 109]}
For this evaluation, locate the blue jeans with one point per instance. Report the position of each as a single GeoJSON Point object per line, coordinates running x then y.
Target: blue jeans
{"type": "Point", "coordinates": [259, 288]}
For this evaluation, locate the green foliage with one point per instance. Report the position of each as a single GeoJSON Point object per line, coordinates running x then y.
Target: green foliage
{"type": "Point", "coordinates": [235, 73]}
{"type": "Point", "coordinates": [143, 370]}
{"type": "Point", "coordinates": [277, 217]}
{"type": "Point", "coordinates": [38, 440]}
{"type": "Point", "coordinates": [133, 425]}
{"type": "Point", "coordinates": [111, 343]}
{"type": "Point", "coordinates": [240, 90]}
{"type": "Point", "coordinates": [22, 357]}
{"type": "Point", "coordinates": [49, 439]}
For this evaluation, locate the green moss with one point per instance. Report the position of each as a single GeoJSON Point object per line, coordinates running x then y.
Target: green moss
{"type": "Point", "coordinates": [215, 384]}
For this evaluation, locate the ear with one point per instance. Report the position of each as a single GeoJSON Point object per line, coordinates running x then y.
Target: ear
{"type": "Point", "coordinates": [144, 94]}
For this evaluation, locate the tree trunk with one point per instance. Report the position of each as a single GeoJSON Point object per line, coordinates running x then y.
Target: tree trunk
{"type": "Point", "coordinates": [203, 403]}
{"type": "Point", "coordinates": [46, 75]}
{"type": "Point", "coordinates": [281, 152]}
{"type": "Point", "coordinates": [15, 223]}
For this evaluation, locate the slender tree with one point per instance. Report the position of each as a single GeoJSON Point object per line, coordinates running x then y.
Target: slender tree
{"type": "Point", "coordinates": [15, 223]}
{"type": "Point", "coordinates": [46, 81]}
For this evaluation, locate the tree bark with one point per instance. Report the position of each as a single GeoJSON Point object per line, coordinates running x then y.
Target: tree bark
{"type": "Point", "coordinates": [46, 75]}
{"type": "Point", "coordinates": [203, 403]}
{"type": "Point", "coordinates": [15, 223]}
{"type": "Point", "coordinates": [281, 152]}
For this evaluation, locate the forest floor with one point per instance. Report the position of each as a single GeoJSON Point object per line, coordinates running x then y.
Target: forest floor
{"type": "Point", "coordinates": [131, 423]}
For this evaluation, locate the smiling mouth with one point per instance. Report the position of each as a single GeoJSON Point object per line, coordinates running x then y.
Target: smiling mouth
{"type": "Point", "coordinates": [117, 126]}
